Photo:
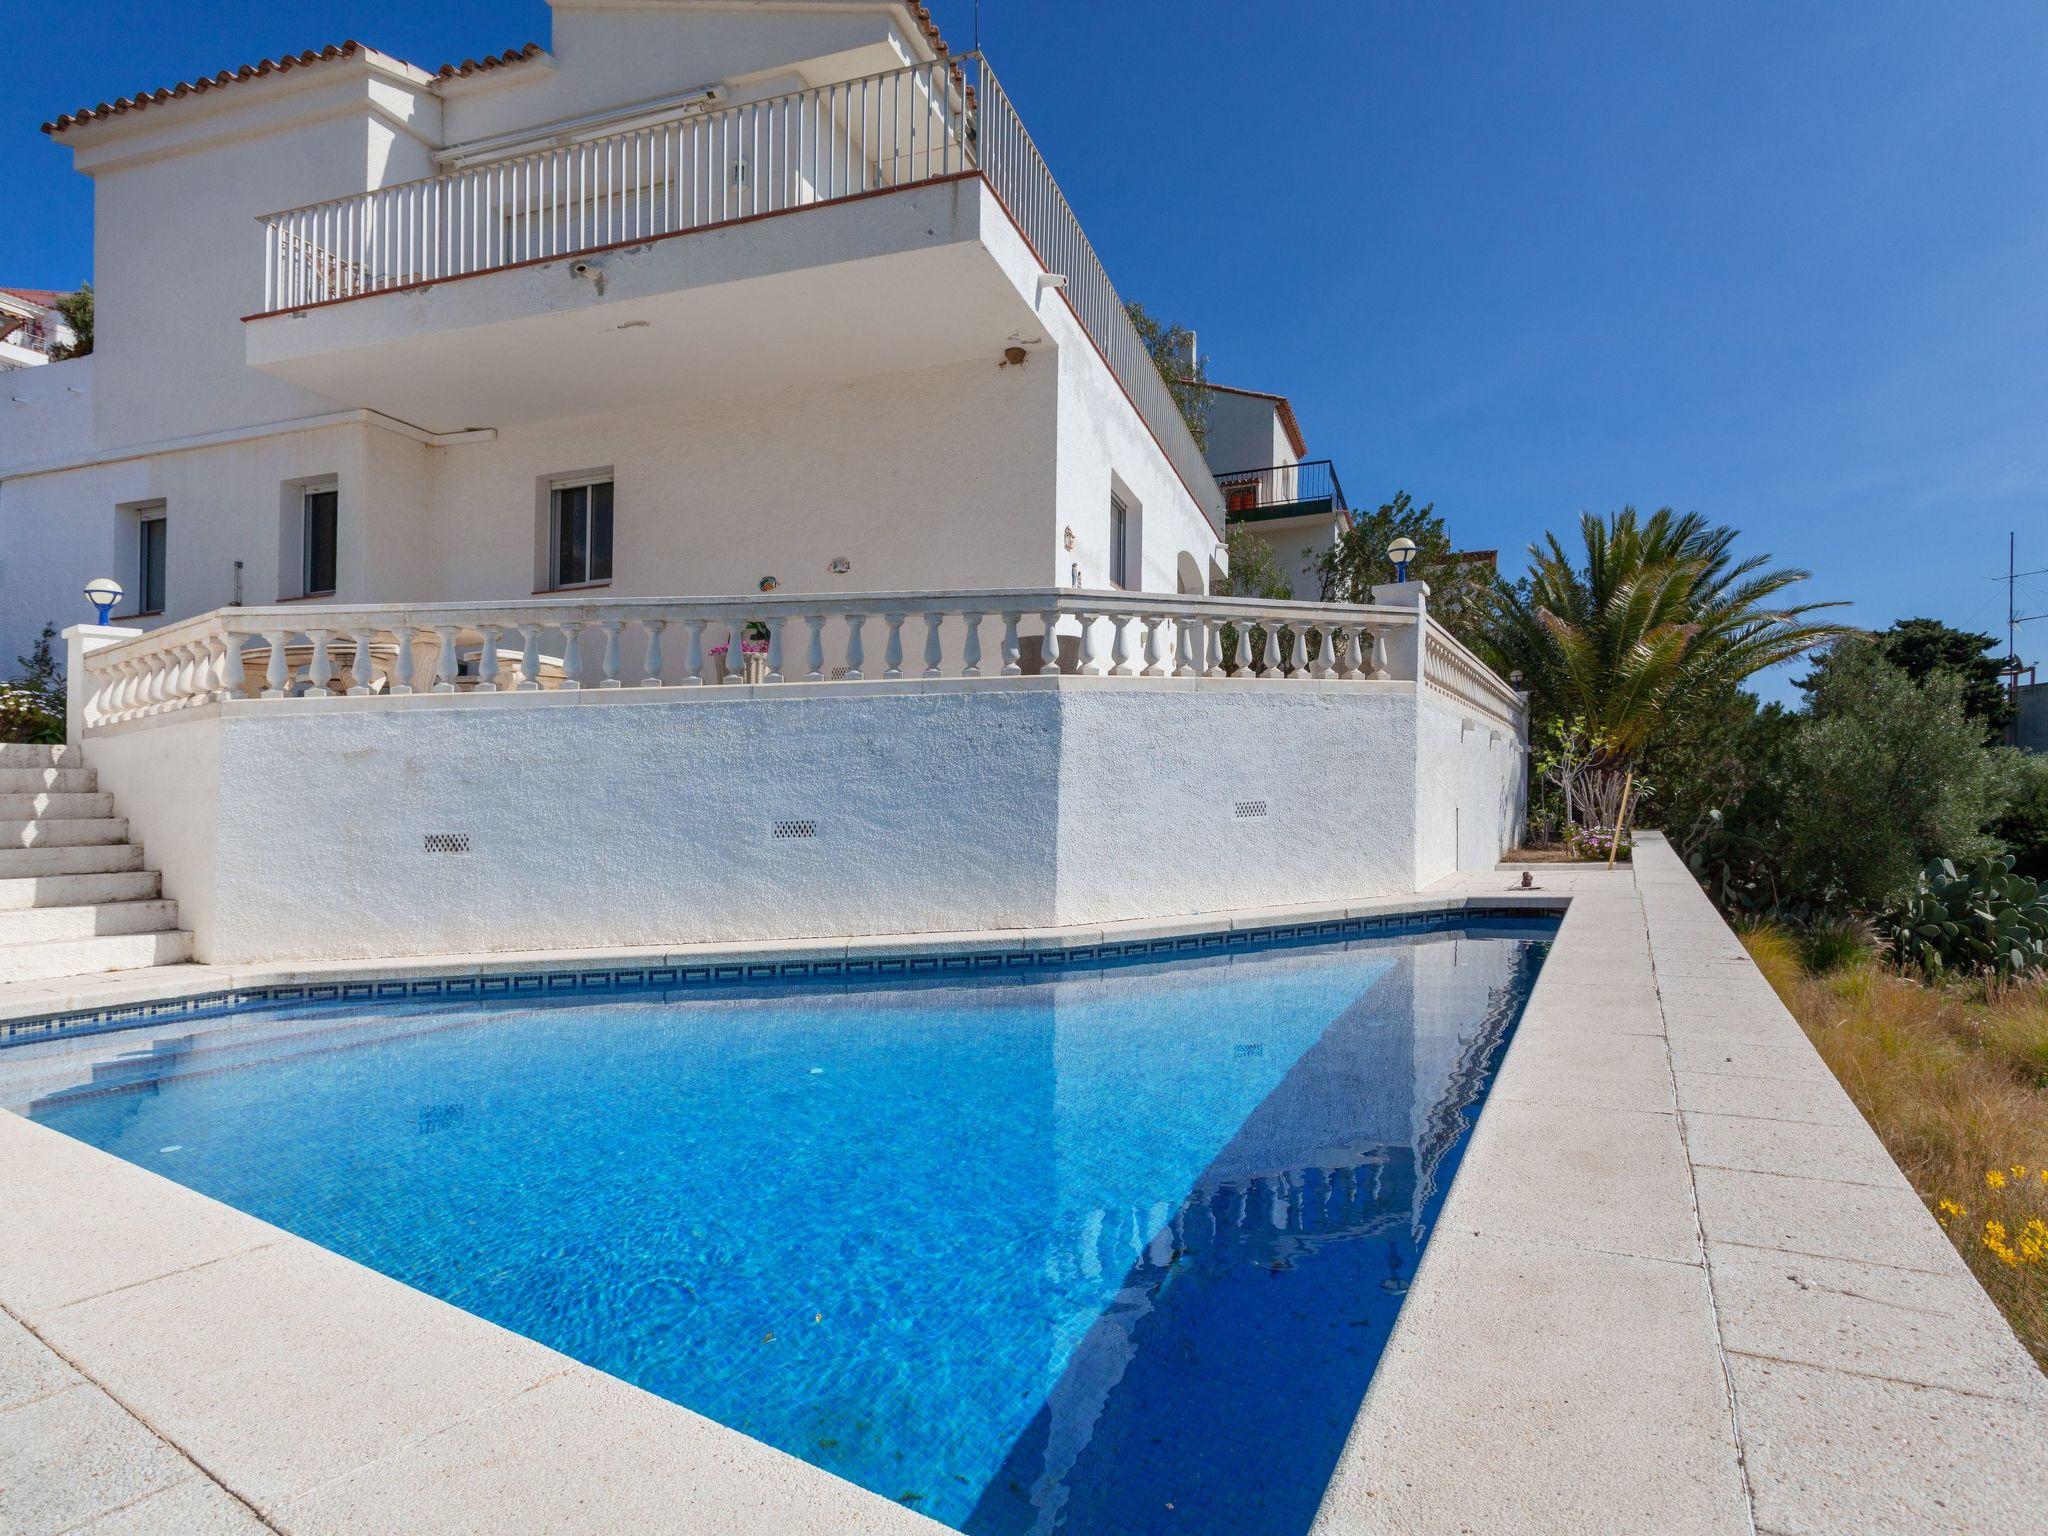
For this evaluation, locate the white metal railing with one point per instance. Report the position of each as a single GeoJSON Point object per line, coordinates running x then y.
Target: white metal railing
{"type": "Point", "coordinates": [701, 166]}
{"type": "Point", "coordinates": [692, 168]}
{"type": "Point", "coordinates": [1019, 176]}
{"type": "Point", "coordinates": [391, 650]}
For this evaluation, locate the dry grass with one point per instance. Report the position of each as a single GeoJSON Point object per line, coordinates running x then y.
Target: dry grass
{"type": "Point", "coordinates": [1955, 1081]}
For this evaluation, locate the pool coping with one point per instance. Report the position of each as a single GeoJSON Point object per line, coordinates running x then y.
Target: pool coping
{"type": "Point", "coordinates": [1639, 1310]}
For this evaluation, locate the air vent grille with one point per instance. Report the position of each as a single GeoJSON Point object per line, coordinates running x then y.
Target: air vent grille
{"type": "Point", "coordinates": [447, 842]}
{"type": "Point", "coordinates": [790, 831]}
{"type": "Point", "coordinates": [1246, 808]}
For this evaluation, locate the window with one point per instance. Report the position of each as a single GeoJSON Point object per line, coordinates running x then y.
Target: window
{"type": "Point", "coordinates": [581, 536]}
{"type": "Point", "coordinates": [319, 536]}
{"type": "Point", "coordinates": [153, 530]}
{"type": "Point", "coordinates": [1119, 543]}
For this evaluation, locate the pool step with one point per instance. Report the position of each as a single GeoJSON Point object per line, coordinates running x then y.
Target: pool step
{"type": "Point", "coordinates": [60, 958]}
{"type": "Point", "coordinates": [35, 781]}
{"type": "Point", "coordinates": [61, 831]}
{"type": "Point", "coordinates": [87, 888]}
{"type": "Point", "coordinates": [98, 920]}
{"type": "Point", "coordinates": [14, 754]}
{"type": "Point", "coordinates": [43, 804]}
{"type": "Point", "coordinates": [75, 899]}
{"type": "Point", "coordinates": [37, 863]}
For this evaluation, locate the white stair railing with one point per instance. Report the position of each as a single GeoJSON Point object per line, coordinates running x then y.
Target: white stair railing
{"type": "Point", "coordinates": [908, 639]}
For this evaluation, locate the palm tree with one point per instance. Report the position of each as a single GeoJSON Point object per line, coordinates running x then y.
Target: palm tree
{"type": "Point", "coordinates": [1659, 615]}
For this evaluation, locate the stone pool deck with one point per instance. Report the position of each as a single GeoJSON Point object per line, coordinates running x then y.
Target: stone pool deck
{"type": "Point", "coordinates": [1678, 1286]}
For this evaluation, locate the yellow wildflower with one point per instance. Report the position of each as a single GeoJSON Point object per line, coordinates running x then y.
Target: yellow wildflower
{"type": "Point", "coordinates": [1950, 1208]}
{"type": "Point", "coordinates": [2019, 1170]}
{"type": "Point", "coordinates": [1995, 1179]}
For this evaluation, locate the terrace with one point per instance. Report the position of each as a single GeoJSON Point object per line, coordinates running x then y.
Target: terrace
{"type": "Point", "coordinates": [841, 237]}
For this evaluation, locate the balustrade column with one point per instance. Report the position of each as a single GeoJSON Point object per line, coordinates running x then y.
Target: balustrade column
{"type": "Point", "coordinates": [1153, 656]}
{"type": "Point", "coordinates": [1089, 653]}
{"type": "Point", "coordinates": [773, 674]}
{"type": "Point", "coordinates": [1049, 659]}
{"type": "Point", "coordinates": [934, 651]}
{"type": "Point", "coordinates": [361, 667]}
{"type": "Point", "coordinates": [1244, 630]}
{"type": "Point", "coordinates": [814, 647]}
{"type": "Point", "coordinates": [404, 666]}
{"type": "Point", "coordinates": [651, 663]}
{"type": "Point", "coordinates": [613, 663]}
{"type": "Point", "coordinates": [572, 654]}
{"type": "Point", "coordinates": [892, 649]}
{"type": "Point", "coordinates": [320, 671]}
{"type": "Point", "coordinates": [1013, 648]}
{"type": "Point", "coordinates": [735, 650]}
{"type": "Point", "coordinates": [529, 659]}
{"type": "Point", "coordinates": [970, 648]}
{"type": "Point", "coordinates": [487, 658]}
{"type": "Point", "coordinates": [447, 665]}
{"type": "Point", "coordinates": [232, 683]}
{"type": "Point", "coordinates": [1272, 667]}
{"type": "Point", "coordinates": [694, 659]}
{"type": "Point", "coordinates": [1119, 645]}
{"type": "Point", "coordinates": [1212, 646]}
{"type": "Point", "coordinates": [856, 652]}
{"type": "Point", "coordinates": [1380, 671]}
{"type": "Point", "coordinates": [275, 673]}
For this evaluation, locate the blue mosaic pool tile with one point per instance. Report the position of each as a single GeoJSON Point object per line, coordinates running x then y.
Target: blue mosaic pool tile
{"type": "Point", "coordinates": [641, 978]}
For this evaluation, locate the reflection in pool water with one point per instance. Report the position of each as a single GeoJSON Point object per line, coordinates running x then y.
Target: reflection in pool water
{"type": "Point", "coordinates": [1108, 1250]}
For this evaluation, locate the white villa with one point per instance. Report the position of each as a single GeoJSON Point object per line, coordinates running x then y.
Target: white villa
{"type": "Point", "coordinates": [427, 403]}
{"type": "Point", "coordinates": [32, 328]}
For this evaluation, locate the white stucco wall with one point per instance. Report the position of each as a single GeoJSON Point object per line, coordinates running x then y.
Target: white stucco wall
{"type": "Point", "coordinates": [1471, 793]}
{"type": "Point", "coordinates": [298, 830]}
{"type": "Point", "coordinates": [1245, 433]}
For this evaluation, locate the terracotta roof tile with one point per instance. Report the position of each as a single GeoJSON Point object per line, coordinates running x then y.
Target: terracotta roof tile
{"type": "Point", "coordinates": [143, 100]}
{"type": "Point", "coordinates": [488, 62]}
{"type": "Point", "coordinates": [1285, 406]}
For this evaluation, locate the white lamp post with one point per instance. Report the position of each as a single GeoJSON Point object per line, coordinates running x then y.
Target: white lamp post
{"type": "Point", "coordinates": [103, 592]}
{"type": "Point", "coordinates": [1401, 551]}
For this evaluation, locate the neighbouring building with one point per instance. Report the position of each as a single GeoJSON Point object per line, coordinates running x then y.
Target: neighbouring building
{"type": "Point", "coordinates": [1271, 488]}
{"type": "Point", "coordinates": [31, 327]}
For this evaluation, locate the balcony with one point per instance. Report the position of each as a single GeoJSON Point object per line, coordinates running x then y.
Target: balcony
{"type": "Point", "coordinates": [825, 233]}
{"type": "Point", "coordinates": [1309, 489]}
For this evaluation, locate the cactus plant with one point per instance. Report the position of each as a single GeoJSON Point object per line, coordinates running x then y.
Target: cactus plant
{"type": "Point", "coordinates": [1980, 918]}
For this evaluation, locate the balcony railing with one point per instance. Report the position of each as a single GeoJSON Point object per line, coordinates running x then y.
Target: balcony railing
{"type": "Point", "coordinates": [698, 167]}
{"type": "Point", "coordinates": [557, 645]}
{"type": "Point", "coordinates": [1282, 490]}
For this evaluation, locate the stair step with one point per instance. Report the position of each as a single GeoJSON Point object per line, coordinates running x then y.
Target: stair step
{"type": "Point", "coordinates": [87, 889]}
{"type": "Point", "coordinates": [55, 807]}
{"type": "Point", "coordinates": [73, 832]}
{"type": "Point", "coordinates": [43, 925]}
{"type": "Point", "coordinates": [36, 781]}
{"type": "Point", "coordinates": [90, 957]}
{"type": "Point", "coordinates": [19, 755]}
{"type": "Point", "coordinates": [92, 859]}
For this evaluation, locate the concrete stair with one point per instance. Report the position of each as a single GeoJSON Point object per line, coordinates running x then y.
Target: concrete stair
{"type": "Point", "coordinates": [75, 899]}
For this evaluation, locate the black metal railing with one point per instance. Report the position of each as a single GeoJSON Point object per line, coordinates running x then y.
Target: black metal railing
{"type": "Point", "coordinates": [1282, 490]}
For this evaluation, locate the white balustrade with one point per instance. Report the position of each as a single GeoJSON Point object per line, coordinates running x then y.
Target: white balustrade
{"type": "Point", "coordinates": [354, 656]}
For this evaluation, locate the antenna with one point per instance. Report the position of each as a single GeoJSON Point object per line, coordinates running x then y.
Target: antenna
{"type": "Point", "coordinates": [2013, 617]}
{"type": "Point", "coordinates": [977, 26]}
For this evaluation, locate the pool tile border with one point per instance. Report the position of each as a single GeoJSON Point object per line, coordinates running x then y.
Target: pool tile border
{"type": "Point", "coordinates": [513, 982]}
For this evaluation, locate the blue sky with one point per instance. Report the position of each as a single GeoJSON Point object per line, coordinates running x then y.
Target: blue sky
{"type": "Point", "coordinates": [1782, 263]}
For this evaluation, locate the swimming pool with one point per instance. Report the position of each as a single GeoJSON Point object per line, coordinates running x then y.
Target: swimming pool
{"type": "Point", "coordinates": [1106, 1248]}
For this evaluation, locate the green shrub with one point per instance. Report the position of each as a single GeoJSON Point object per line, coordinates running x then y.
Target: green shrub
{"type": "Point", "coordinates": [25, 716]}
{"type": "Point", "coordinates": [1981, 918]}
{"type": "Point", "coordinates": [1835, 941]}
{"type": "Point", "coordinates": [1884, 775]}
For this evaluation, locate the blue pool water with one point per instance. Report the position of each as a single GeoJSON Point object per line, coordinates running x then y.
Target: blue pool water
{"type": "Point", "coordinates": [1112, 1249]}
